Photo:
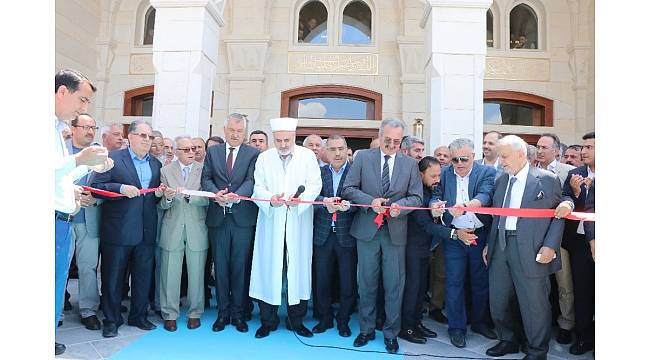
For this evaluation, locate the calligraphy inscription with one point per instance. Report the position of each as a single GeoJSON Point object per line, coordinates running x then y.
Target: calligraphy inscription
{"type": "Point", "coordinates": [517, 69]}
{"type": "Point", "coordinates": [333, 63]}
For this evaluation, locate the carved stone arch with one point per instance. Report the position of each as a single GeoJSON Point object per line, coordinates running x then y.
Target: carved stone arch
{"type": "Point", "coordinates": [295, 15]}
{"type": "Point", "coordinates": [542, 28]}
{"type": "Point", "coordinates": [497, 19]}
{"type": "Point", "coordinates": [140, 22]}
{"type": "Point", "coordinates": [373, 20]}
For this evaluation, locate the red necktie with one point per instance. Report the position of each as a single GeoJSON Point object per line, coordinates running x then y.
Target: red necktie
{"type": "Point", "coordinates": [229, 163]}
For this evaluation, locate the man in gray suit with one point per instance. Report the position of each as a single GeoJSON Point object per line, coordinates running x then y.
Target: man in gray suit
{"type": "Point", "coordinates": [183, 234]}
{"type": "Point", "coordinates": [85, 228]}
{"type": "Point", "coordinates": [382, 177]}
{"type": "Point", "coordinates": [522, 252]}
{"type": "Point", "coordinates": [548, 148]}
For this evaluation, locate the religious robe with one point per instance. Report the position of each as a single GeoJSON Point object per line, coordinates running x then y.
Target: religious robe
{"type": "Point", "coordinates": [266, 271]}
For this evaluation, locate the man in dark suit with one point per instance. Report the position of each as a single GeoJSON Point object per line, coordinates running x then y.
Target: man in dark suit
{"type": "Point", "coordinates": [422, 236]}
{"type": "Point", "coordinates": [522, 252]}
{"type": "Point", "coordinates": [333, 242]}
{"type": "Point", "coordinates": [579, 195]}
{"type": "Point", "coordinates": [382, 177]}
{"type": "Point", "coordinates": [465, 184]}
{"type": "Point", "coordinates": [128, 228]}
{"type": "Point", "coordinates": [227, 171]}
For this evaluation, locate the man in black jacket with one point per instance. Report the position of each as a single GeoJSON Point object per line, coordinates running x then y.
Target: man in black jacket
{"type": "Point", "coordinates": [332, 241]}
{"type": "Point", "coordinates": [422, 235]}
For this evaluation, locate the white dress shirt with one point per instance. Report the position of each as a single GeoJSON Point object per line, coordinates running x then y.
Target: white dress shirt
{"type": "Point", "coordinates": [186, 166]}
{"type": "Point", "coordinates": [516, 195]}
{"type": "Point", "coordinates": [66, 172]}
{"type": "Point", "coordinates": [235, 151]}
{"type": "Point", "coordinates": [391, 164]}
{"type": "Point", "coordinates": [469, 219]}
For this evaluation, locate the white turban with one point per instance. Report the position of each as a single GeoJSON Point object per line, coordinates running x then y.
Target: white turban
{"type": "Point", "coordinates": [283, 124]}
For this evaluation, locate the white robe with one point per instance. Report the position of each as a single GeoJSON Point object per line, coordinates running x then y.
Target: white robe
{"type": "Point", "coordinates": [266, 271]}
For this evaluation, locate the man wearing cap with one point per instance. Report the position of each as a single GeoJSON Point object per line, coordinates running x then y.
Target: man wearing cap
{"type": "Point", "coordinates": [283, 240]}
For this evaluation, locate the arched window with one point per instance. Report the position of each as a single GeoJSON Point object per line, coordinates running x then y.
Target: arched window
{"type": "Point", "coordinates": [139, 102]}
{"type": "Point", "coordinates": [149, 20]}
{"type": "Point", "coordinates": [332, 102]}
{"type": "Point", "coordinates": [523, 28]}
{"type": "Point", "coordinates": [490, 29]}
{"type": "Point", "coordinates": [312, 23]}
{"type": "Point", "coordinates": [516, 108]}
{"type": "Point", "coordinates": [357, 24]}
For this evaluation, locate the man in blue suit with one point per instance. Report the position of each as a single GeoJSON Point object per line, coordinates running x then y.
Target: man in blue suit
{"type": "Point", "coordinates": [333, 242]}
{"type": "Point", "coordinates": [128, 228]}
{"type": "Point", "coordinates": [465, 184]}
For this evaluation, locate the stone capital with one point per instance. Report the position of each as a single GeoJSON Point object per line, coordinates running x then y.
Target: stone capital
{"type": "Point", "coordinates": [213, 7]}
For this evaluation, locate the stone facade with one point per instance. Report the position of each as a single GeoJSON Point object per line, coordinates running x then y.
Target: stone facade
{"type": "Point", "coordinates": [256, 57]}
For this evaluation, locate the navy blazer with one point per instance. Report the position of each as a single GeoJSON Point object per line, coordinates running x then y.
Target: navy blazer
{"type": "Point", "coordinates": [481, 187]}
{"type": "Point", "coordinates": [423, 234]}
{"type": "Point", "coordinates": [323, 218]}
{"type": "Point", "coordinates": [241, 182]}
{"type": "Point", "coordinates": [127, 222]}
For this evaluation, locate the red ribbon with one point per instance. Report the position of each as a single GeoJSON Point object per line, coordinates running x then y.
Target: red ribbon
{"type": "Point", "coordinates": [524, 213]}
{"type": "Point", "coordinates": [114, 194]}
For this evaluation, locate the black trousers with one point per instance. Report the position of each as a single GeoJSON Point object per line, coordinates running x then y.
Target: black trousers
{"type": "Point", "coordinates": [417, 268]}
{"type": "Point", "coordinates": [269, 313]}
{"type": "Point", "coordinates": [115, 260]}
{"type": "Point", "coordinates": [231, 245]}
{"type": "Point", "coordinates": [583, 271]}
{"type": "Point", "coordinates": [326, 257]}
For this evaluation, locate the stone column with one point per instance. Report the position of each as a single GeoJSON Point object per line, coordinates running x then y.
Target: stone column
{"type": "Point", "coordinates": [454, 53]}
{"type": "Point", "coordinates": [581, 65]}
{"type": "Point", "coordinates": [185, 50]}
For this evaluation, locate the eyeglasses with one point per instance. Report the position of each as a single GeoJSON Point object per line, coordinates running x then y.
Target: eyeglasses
{"type": "Point", "coordinates": [87, 127]}
{"type": "Point", "coordinates": [458, 159]}
{"type": "Point", "coordinates": [187, 150]}
{"type": "Point", "coordinates": [144, 136]}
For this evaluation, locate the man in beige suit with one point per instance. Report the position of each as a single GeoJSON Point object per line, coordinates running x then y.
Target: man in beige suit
{"type": "Point", "coordinates": [183, 232]}
{"type": "Point", "coordinates": [548, 147]}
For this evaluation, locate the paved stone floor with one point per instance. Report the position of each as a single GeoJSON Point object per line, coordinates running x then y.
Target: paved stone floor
{"type": "Point", "coordinates": [85, 344]}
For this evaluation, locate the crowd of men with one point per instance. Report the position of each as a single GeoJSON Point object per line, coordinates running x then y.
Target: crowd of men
{"type": "Point", "coordinates": [259, 238]}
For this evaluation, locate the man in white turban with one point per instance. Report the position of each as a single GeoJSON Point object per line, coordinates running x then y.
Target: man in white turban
{"type": "Point", "coordinates": [283, 240]}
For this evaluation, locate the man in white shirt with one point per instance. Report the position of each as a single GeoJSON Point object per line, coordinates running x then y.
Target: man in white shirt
{"type": "Point", "coordinates": [72, 94]}
{"type": "Point", "coordinates": [522, 253]}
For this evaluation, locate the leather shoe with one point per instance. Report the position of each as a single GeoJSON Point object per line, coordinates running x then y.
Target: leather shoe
{"type": "Point", "coordinates": [534, 357]}
{"type": "Point", "coordinates": [143, 324]}
{"type": "Point", "coordinates": [344, 330]}
{"type": "Point", "coordinates": [123, 308]}
{"type": "Point", "coordinates": [60, 323]}
{"type": "Point", "coordinates": [391, 345]}
{"type": "Point", "coordinates": [109, 330]}
{"type": "Point", "coordinates": [91, 322]}
{"type": "Point", "coordinates": [302, 330]}
{"type": "Point", "coordinates": [484, 330]}
{"type": "Point", "coordinates": [580, 347]}
{"type": "Point", "coordinates": [321, 328]}
{"type": "Point", "coordinates": [502, 348]}
{"type": "Point", "coordinates": [193, 323]}
{"type": "Point", "coordinates": [240, 325]}
{"type": "Point", "coordinates": [264, 331]}
{"type": "Point", "coordinates": [457, 339]}
{"type": "Point", "coordinates": [59, 348]}
{"type": "Point", "coordinates": [425, 331]}
{"type": "Point", "coordinates": [437, 315]}
{"type": "Point", "coordinates": [170, 325]}
{"type": "Point", "coordinates": [363, 339]}
{"type": "Point", "coordinates": [220, 324]}
{"type": "Point", "coordinates": [564, 336]}
{"type": "Point", "coordinates": [410, 335]}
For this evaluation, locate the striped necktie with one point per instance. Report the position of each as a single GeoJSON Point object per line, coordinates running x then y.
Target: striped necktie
{"type": "Point", "coordinates": [385, 176]}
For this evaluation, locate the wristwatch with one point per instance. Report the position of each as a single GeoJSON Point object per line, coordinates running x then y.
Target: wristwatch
{"type": "Point", "coordinates": [453, 236]}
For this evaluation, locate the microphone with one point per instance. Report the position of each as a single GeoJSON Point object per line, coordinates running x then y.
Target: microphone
{"type": "Point", "coordinates": [301, 189]}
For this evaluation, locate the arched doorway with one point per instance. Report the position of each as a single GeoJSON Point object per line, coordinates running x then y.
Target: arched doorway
{"type": "Point", "coordinates": [334, 109]}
